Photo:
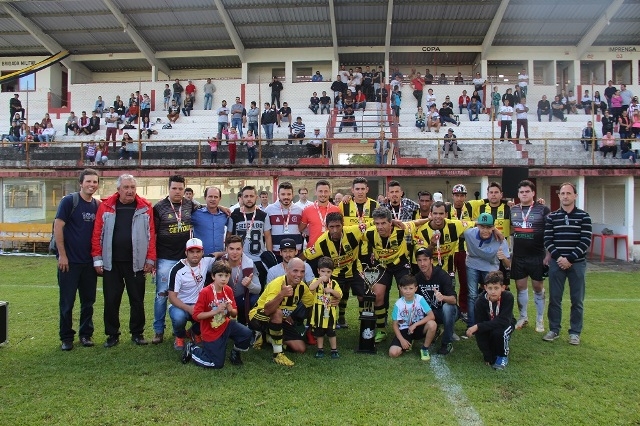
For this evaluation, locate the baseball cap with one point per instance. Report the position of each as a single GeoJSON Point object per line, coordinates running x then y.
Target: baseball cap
{"type": "Point", "coordinates": [437, 196]}
{"type": "Point", "coordinates": [287, 243]}
{"type": "Point", "coordinates": [194, 243]}
{"type": "Point", "coordinates": [485, 219]}
{"type": "Point", "coordinates": [459, 189]}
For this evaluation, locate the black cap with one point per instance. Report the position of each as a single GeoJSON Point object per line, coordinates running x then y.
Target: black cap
{"type": "Point", "coordinates": [287, 243]}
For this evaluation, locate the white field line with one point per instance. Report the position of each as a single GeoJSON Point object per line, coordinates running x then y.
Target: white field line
{"type": "Point", "coordinates": [463, 411]}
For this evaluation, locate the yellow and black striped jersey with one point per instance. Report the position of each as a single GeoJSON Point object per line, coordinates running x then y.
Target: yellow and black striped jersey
{"type": "Point", "coordinates": [449, 240]}
{"type": "Point", "coordinates": [388, 251]}
{"type": "Point", "coordinates": [467, 212]}
{"type": "Point", "coordinates": [301, 293]}
{"type": "Point", "coordinates": [501, 215]}
{"type": "Point", "coordinates": [355, 213]}
{"type": "Point", "coordinates": [345, 253]}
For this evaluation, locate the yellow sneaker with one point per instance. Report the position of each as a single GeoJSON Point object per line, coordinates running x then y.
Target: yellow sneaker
{"type": "Point", "coordinates": [257, 345]}
{"type": "Point", "coordinates": [281, 359]}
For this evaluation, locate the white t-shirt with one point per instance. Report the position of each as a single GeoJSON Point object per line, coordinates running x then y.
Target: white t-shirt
{"type": "Point", "coordinates": [523, 79]}
{"type": "Point", "coordinates": [521, 115]}
{"type": "Point", "coordinates": [187, 281]}
{"type": "Point", "coordinates": [344, 76]}
{"type": "Point", "coordinates": [506, 112]}
{"type": "Point", "coordinates": [407, 313]}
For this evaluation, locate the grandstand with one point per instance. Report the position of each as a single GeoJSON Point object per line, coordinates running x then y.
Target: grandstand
{"type": "Point", "coordinates": [118, 48]}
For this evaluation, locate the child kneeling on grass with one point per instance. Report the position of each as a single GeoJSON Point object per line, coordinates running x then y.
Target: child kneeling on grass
{"type": "Point", "coordinates": [323, 319]}
{"type": "Point", "coordinates": [412, 320]}
{"type": "Point", "coordinates": [494, 321]}
{"type": "Point", "coordinates": [214, 309]}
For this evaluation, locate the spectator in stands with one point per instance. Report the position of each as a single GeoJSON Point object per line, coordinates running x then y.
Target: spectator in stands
{"type": "Point", "coordinates": [557, 109]}
{"type": "Point", "coordinates": [116, 102]}
{"type": "Point", "coordinates": [447, 101]}
{"type": "Point", "coordinates": [276, 88]}
{"type": "Point", "coordinates": [522, 120]}
{"type": "Point", "coordinates": [506, 113]}
{"type": "Point", "coordinates": [208, 90]}
{"type": "Point", "coordinates": [297, 131]}
{"type": "Point", "coordinates": [357, 80]}
{"type": "Point", "coordinates": [446, 114]}
{"type": "Point", "coordinates": [25, 132]}
{"type": "Point", "coordinates": [367, 84]}
{"type": "Point", "coordinates": [627, 95]}
{"type": "Point", "coordinates": [338, 103]}
{"type": "Point", "coordinates": [459, 80]}
{"type": "Point", "coordinates": [450, 144]}
{"type": "Point", "coordinates": [213, 146]}
{"type": "Point", "coordinates": [71, 124]}
{"type": "Point", "coordinates": [616, 105]}
{"type": "Point", "coordinates": [607, 123]}
{"type": "Point", "coordinates": [174, 112]}
{"type": "Point", "coordinates": [478, 85]}
{"type": "Point", "coordinates": [348, 119]}
{"type": "Point", "coordinates": [145, 106]}
{"type": "Point", "coordinates": [46, 120]}
{"type": "Point", "coordinates": [417, 84]}
{"type": "Point", "coordinates": [565, 100]}
{"type": "Point", "coordinates": [338, 86]}
{"type": "Point", "coordinates": [633, 107]}
{"type": "Point", "coordinates": [572, 103]}
{"type": "Point", "coordinates": [47, 134]}
{"type": "Point", "coordinates": [396, 105]}
{"type": "Point", "coordinates": [585, 102]}
{"type": "Point", "coordinates": [421, 119]}
{"type": "Point", "coordinates": [146, 128]}
{"type": "Point", "coordinates": [94, 123]}
{"type": "Point", "coordinates": [474, 107]}
{"type": "Point", "coordinates": [284, 114]}
{"type": "Point", "coordinates": [250, 141]}
{"type": "Point", "coordinates": [508, 94]}
{"type": "Point", "coordinates": [433, 119]}
{"type": "Point", "coordinates": [132, 98]}
{"type": "Point", "coordinates": [396, 82]}
{"type": "Point", "coordinates": [124, 153]}
{"type": "Point", "coordinates": [463, 101]}
{"type": "Point", "coordinates": [544, 108]}
{"type": "Point", "coordinates": [360, 101]}
{"type": "Point", "coordinates": [15, 106]}
{"type": "Point", "coordinates": [635, 124]}
{"type": "Point", "coordinates": [99, 106]}
{"type": "Point", "coordinates": [232, 139]}
{"type": "Point", "coordinates": [430, 99]}
{"type": "Point", "coordinates": [626, 153]}
{"type": "Point", "coordinates": [608, 145]}
{"type": "Point", "coordinates": [36, 131]}
{"type": "Point", "coordinates": [624, 126]}
{"type": "Point", "coordinates": [517, 94]}
{"type": "Point", "coordinates": [237, 114]}
{"type": "Point", "coordinates": [428, 77]}
{"type": "Point", "coordinates": [495, 101]}
{"type": "Point", "coordinates": [112, 124]}
{"type": "Point", "coordinates": [609, 91]}
{"type": "Point", "coordinates": [134, 113]}
{"type": "Point", "coordinates": [523, 82]}
{"type": "Point", "coordinates": [90, 153]}
{"type": "Point", "coordinates": [588, 136]}
{"type": "Point", "coordinates": [317, 77]}
{"type": "Point", "coordinates": [315, 142]}
{"type": "Point", "coordinates": [325, 103]}
{"type": "Point", "coordinates": [83, 123]}
{"type": "Point", "coordinates": [177, 92]}
{"type": "Point", "coordinates": [223, 119]}
{"type": "Point", "coordinates": [598, 103]}
{"type": "Point", "coordinates": [190, 91]}
{"type": "Point", "coordinates": [381, 147]}
{"type": "Point", "coordinates": [378, 79]}
{"type": "Point", "coordinates": [314, 103]}
{"type": "Point", "coordinates": [121, 110]}
{"type": "Point", "coordinates": [253, 115]}
{"type": "Point", "coordinates": [167, 97]}
{"type": "Point", "coordinates": [269, 118]}
{"type": "Point", "coordinates": [101, 153]}
{"type": "Point", "coordinates": [443, 79]}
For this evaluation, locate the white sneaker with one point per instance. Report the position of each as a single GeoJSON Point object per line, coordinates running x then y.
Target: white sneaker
{"type": "Point", "coordinates": [455, 337]}
{"type": "Point", "coordinates": [522, 322]}
{"type": "Point", "coordinates": [540, 326]}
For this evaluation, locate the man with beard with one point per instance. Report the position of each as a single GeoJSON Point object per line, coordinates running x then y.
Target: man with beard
{"type": "Point", "coordinates": [284, 217]}
{"type": "Point", "coordinates": [359, 209]}
{"type": "Point", "coordinates": [401, 208]}
{"type": "Point", "coordinates": [314, 216]}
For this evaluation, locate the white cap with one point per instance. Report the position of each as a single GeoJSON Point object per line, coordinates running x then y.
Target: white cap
{"type": "Point", "coordinates": [194, 243]}
{"type": "Point", "coordinates": [437, 196]}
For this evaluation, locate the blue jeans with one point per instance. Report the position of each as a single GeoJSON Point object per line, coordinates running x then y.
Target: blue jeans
{"type": "Point", "coordinates": [212, 354]}
{"type": "Point", "coordinates": [381, 158]}
{"type": "Point", "coordinates": [268, 132]}
{"type": "Point", "coordinates": [163, 268]}
{"type": "Point", "coordinates": [237, 123]}
{"type": "Point", "coordinates": [178, 98]}
{"type": "Point", "coordinates": [629, 154]}
{"type": "Point", "coordinates": [477, 111]}
{"type": "Point", "coordinates": [251, 154]}
{"type": "Point", "coordinates": [557, 278]}
{"type": "Point", "coordinates": [473, 277]}
{"type": "Point", "coordinates": [179, 319]}
{"type": "Point", "coordinates": [208, 100]}
{"type": "Point", "coordinates": [253, 126]}
{"type": "Point", "coordinates": [447, 315]}
{"type": "Point", "coordinates": [221, 127]}
{"type": "Point", "coordinates": [325, 107]}
{"type": "Point", "coordinates": [81, 279]}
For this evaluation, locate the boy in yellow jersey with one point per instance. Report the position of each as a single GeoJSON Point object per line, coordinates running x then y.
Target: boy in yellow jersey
{"type": "Point", "coordinates": [284, 301]}
{"type": "Point", "coordinates": [342, 245]}
{"type": "Point", "coordinates": [358, 210]}
{"type": "Point", "coordinates": [323, 319]}
{"type": "Point", "coordinates": [385, 246]}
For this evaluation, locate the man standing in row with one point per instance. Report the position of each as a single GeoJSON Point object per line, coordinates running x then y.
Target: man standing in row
{"type": "Point", "coordinates": [72, 230]}
{"type": "Point", "coordinates": [209, 222]}
{"type": "Point", "coordinates": [314, 216]}
{"type": "Point", "coordinates": [123, 249]}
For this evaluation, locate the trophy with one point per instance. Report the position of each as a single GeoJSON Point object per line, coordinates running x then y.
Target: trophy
{"type": "Point", "coordinates": [366, 341]}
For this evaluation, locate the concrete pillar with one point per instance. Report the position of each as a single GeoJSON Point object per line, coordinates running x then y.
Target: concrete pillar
{"type": "Point", "coordinates": [629, 194]}
{"type": "Point", "coordinates": [608, 73]}
{"type": "Point", "coordinates": [244, 74]}
{"type": "Point", "coordinates": [335, 67]}
{"type": "Point", "coordinates": [288, 71]}
{"type": "Point", "coordinates": [154, 73]}
{"type": "Point", "coordinates": [580, 188]}
{"type": "Point", "coordinates": [575, 80]}
{"type": "Point", "coordinates": [530, 72]}
{"type": "Point", "coordinates": [484, 186]}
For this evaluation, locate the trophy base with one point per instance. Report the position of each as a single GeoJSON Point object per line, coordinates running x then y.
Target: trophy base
{"type": "Point", "coordinates": [366, 339]}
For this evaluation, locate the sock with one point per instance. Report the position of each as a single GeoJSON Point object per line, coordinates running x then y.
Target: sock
{"type": "Point", "coordinates": [523, 301]}
{"type": "Point", "coordinates": [381, 314]}
{"type": "Point", "coordinates": [538, 297]}
{"type": "Point", "coordinates": [275, 331]}
{"type": "Point", "coordinates": [342, 307]}
{"type": "Point", "coordinates": [425, 348]}
{"type": "Point", "coordinates": [334, 350]}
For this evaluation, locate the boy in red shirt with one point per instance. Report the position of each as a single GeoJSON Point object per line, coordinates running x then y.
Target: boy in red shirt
{"type": "Point", "coordinates": [214, 309]}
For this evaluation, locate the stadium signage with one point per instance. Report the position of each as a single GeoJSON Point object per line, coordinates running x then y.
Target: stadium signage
{"type": "Point", "coordinates": [17, 63]}
{"type": "Point", "coordinates": [430, 49]}
{"type": "Point", "coordinates": [622, 49]}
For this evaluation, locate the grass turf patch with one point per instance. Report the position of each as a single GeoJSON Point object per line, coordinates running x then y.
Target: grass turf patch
{"type": "Point", "coordinates": [545, 383]}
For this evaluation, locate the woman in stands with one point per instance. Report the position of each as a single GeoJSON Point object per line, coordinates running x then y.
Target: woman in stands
{"type": "Point", "coordinates": [44, 123]}
{"type": "Point", "coordinates": [250, 139]}
{"type": "Point", "coordinates": [635, 125]}
{"type": "Point", "coordinates": [616, 106]}
{"type": "Point", "coordinates": [146, 127]}
{"type": "Point", "coordinates": [121, 110]}
{"type": "Point", "coordinates": [598, 103]}
{"type": "Point", "coordinates": [421, 119]}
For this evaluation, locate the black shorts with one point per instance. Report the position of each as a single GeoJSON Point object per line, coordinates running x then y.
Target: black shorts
{"type": "Point", "coordinates": [321, 332]}
{"type": "Point", "coordinates": [530, 266]}
{"type": "Point", "coordinates": [418, 333]}
{"type": "Point", "coordinates": [289, 332]}
{"type": "Point", "coordinates": [355, 283]}
{"type": "Point", "coordinates": [394, 271]}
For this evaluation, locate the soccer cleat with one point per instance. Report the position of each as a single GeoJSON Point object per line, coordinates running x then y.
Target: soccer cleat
{"type": "Point", "coordinates": [281, 359]}
{"type": "Point", "coordinates": [335, 355]}
{"type": "Point", "coordinates": [574, 339]}
{"type": "Point", "coordinates": [424, 354]}
{"type": "Point", "coordinates": [341, 324]}
{"type": "Point", "coordinates": [178, 343]}
{"type": "Point", "coordinates": [158, 338]}
{"type": "Point", "coordinates": [540, 326]}
{"type": "Point", "coordinates": [112, 341]}
{"type": "Point", "coordinates": [319, 354]}
{"type": "Point", "coordinates": [234, 357]}
{"type": "Point", "coordinates": [550, 336]}
{"type": "Point", "coordinates": [445, 349]}
{"type": "Point", "coordinates": [311, 339]}
{"type": "Point", "coordinates": [186, 352]}
{"type": "Point", "coordinates": [522, 322]}
{"type": "Point", "coordinates": [380, 336]}
{"type": "Point", "coordinates": [501, 363]}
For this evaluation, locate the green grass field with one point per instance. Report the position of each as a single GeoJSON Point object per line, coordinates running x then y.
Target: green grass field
{"type": "Point", "coordinates": [544, 384]}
